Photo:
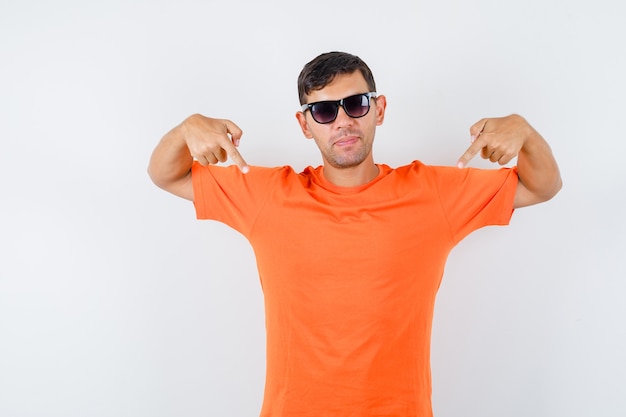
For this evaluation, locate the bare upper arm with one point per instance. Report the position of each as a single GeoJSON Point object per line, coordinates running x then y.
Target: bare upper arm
{"type": "Point", "coordinates": [525, 197]}
{"type": "Point", "coordinates": [182, 187]}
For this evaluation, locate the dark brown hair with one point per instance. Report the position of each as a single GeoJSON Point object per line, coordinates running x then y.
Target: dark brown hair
{"type": "Point", "coordinates": [321, 71]}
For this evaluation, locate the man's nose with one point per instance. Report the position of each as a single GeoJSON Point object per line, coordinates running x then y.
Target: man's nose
{"type": "Point", "coordinates": [342, 118]}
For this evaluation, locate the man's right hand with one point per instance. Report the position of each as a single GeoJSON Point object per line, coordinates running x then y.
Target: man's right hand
{"type": "Point", "coordinates": [213, 140]}
{"type": "Point", "coordinates": [206, 140]}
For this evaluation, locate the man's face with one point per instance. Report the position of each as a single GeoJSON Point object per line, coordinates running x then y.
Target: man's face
{"type": "Point", "coordinates": [345, 142]}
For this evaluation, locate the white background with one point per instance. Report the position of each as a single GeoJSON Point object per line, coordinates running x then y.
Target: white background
{"type": "Point", "coordinates": [115, 301]}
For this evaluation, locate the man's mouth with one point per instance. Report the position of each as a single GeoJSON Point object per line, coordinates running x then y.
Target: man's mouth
{"type": "Point", "coordinates": [346, 141]}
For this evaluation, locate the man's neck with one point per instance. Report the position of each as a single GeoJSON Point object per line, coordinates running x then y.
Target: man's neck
{"type": "Point", "coordinates": [352, 176]}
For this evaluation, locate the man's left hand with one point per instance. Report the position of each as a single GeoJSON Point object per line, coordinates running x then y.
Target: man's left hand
{"type": "Point", "coordinates": [497, 139]}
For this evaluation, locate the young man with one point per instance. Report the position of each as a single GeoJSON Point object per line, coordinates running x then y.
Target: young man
{"type": "Point", "coordinates": [351, 253]}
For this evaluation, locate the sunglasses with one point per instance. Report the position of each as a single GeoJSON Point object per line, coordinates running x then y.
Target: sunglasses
{"type": "Point", "coordinates": [326, 111]}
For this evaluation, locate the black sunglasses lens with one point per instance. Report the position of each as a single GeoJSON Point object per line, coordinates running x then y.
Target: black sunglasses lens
{"type": "Point", "coordinates": [356, 106]}
{"type": "Point", "coordinates": [324, 112]}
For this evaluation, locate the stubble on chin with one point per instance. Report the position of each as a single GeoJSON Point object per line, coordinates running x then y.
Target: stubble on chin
{"type": "Point", "coordinates": [338, 157]}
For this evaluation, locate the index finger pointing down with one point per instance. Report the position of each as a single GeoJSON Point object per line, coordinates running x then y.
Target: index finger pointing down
{"type": "Point", "coordinates": [471, 152]}
{"type": "Point", "coordinates": [236, 157]}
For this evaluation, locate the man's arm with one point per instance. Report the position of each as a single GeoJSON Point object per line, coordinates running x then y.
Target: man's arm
{"type": "Point", "coordinates": [206, 140]}
{"type": "Point", "coordinates": [502, 139]}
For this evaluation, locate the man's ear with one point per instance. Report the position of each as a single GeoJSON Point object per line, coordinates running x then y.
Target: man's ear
{"type": "Point", "coordinates": [304, 125]}
{"type": "Point", "coordinates": [381, 105]}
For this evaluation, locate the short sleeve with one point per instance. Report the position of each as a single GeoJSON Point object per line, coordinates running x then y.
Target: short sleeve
{"type": "Point", "coordinates": [473, 198]}
{"type": "Point", "coordinates": [227, 195]}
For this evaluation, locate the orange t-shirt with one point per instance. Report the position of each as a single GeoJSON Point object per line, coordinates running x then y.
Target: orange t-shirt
{"type": "Point", "coordinates": [349, 276]}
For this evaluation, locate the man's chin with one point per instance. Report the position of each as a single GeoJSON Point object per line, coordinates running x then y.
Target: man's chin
{"type": "Point", "coordinates": [344, 163]}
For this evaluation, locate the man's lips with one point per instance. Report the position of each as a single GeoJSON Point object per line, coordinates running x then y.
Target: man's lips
{"type": "Point", "coordinates": [346, 141]}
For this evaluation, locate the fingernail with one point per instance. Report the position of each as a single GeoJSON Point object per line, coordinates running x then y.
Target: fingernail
{"type": "Point", "coordinates": [460, 165]}
{"type": "Point", "coordinates": [473, 138]}
{"type": "Point", "coordinates": [245, 169]}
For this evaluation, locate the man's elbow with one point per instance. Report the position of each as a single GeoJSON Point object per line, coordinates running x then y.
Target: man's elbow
{"type": "Point", "coordinates": [158, 179]}
{"type": "Point", "coordinates": [181, 186]}
{"type": "Point", "coordinates": [551, 192]}
{"type": "Point", "coordinates": [557, 184]}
